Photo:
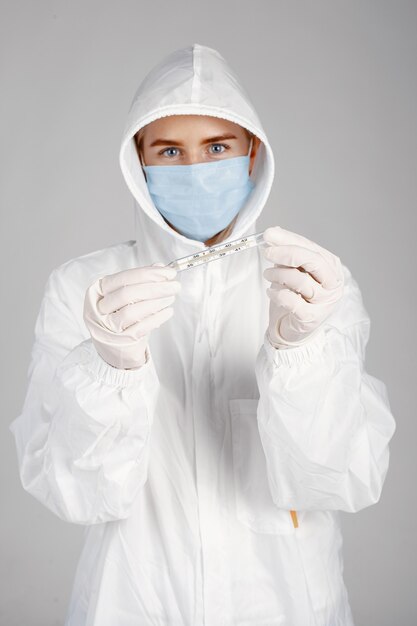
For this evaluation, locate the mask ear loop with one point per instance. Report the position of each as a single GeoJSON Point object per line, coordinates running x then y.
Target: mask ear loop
{"type": "Point", "coordinates": [142, 164]}
{"type": "Point", "coordinates": [249, 151]}
{"type": "Point", "coordinates": [140, 158]}
{"type": "Point", "coordinates": [250, 147]}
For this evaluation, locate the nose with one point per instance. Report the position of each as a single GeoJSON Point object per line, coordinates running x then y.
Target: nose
{"type": "Point", "coordinates": [193, 156]}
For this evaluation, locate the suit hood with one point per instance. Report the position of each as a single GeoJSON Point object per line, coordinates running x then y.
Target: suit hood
{"type": "Point", "coordinates": [191, 80]}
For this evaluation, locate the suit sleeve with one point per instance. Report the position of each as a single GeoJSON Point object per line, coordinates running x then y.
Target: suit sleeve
{"type": "Point", "coordinates": [82, 437]}
{"type": "Point", "coordinates": [324, 422]}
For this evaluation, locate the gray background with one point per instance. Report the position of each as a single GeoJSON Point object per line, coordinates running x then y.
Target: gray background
{"type": "Point", "coordinates": [334, 84]}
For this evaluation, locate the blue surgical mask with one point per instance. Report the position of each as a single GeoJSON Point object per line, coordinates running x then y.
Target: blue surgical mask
{"type": "Point", "coordinates": [200, 199]}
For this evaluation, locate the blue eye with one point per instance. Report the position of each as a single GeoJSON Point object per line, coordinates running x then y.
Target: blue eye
{"type": "Point", "coordinates": [166, 149]}
{"type": "Point", "coordinates": [217, 145]}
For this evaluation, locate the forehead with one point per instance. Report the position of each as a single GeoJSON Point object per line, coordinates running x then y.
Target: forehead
{"type": "Point", "coordinates": [199, 124]}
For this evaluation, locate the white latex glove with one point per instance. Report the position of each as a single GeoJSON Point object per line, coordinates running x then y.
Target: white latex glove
{"type": "Point", "coordinates": [307, 283]}
{"type": "Point", "coordinates": [121, 309]}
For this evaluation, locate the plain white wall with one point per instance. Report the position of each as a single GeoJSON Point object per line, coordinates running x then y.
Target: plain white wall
{"type": "Point", "coordinates": [335, 87]}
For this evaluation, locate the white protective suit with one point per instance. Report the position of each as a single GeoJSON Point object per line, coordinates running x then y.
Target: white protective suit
{"type": "Point", "coordinates": [185, 471]}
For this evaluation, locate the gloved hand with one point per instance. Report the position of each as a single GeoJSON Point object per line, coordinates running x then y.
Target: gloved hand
{"type": "Point", "coordinates": [307, 283]}
{"type": "Point", "coordinates": [121, 309]}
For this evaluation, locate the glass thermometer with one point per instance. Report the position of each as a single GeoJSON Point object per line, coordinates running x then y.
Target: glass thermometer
{"type": "Point", "coordinates": [217, 252]}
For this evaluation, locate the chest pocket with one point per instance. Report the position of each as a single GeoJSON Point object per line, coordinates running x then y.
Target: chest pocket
{"type": "Point", "coordinates": [254, 505]}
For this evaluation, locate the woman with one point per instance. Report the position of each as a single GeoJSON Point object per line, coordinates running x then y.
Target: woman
{"type": "Point", "coordinates": [207, 426]}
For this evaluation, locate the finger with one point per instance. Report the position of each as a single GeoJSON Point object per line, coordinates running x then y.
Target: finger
{"type": "Point", "coordinates": [311, 261]}
{"type": "Point", "coordinates": [139, 329]}
{"type": "Point", "coordinates": [300, 282]}
{"type": "Point", "coordinates": [146, 274]}
{"type": "Point", "coordinates": [129, 294]}
{"type": "Point", "coordinates": [287, 299]}
{"type": "Point", "coordinates": [132, 313]}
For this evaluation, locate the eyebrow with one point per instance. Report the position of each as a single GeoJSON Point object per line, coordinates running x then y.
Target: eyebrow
{"type": "Point", "coordinates": [172, 142]}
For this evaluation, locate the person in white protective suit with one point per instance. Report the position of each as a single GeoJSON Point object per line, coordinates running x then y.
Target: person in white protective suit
{"type": "Point", "coordinates": [207, 426]}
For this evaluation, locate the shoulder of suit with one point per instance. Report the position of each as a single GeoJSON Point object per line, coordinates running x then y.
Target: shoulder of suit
{"type": "Point", "coordinates": [351, 308]}
{"type": "Point", "coordinates": [75, 275]}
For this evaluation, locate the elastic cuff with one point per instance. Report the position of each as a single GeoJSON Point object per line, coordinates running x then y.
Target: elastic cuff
{"type": "Point", "coordinates": [113, 376]}
{"type": "Point", "coordinates": [309, 351]}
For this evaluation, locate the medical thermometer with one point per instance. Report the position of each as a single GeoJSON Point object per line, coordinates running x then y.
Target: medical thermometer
{"type": "Point", "coordinates": [218, 252]}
